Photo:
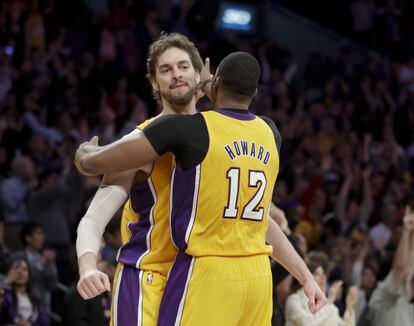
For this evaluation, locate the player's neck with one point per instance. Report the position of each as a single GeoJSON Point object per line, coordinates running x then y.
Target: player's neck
{"type": "Point", "coordinates": [229, 104]}
{"type": "Point", "coordinates": [169, 108]}
{"type": "Point", "coordinates": [226, 102]}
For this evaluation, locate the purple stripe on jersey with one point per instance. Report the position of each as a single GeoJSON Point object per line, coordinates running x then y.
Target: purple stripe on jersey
{"type": "Point", "coordinates": [142, 201]}
{"type": "Point", "coordinates": [174, 289]}
{"type": "Point", "coordinates": [182, 197]}
{"type": "Point", "coordinates": [237, 115]}
{"type": "Point", "coordinates": [128, 297]}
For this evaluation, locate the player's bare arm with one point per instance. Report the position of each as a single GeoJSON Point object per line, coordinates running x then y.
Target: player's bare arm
{"type": "Point", "coordinates": [130, 152]}
{"type": "Point", "coordinates": [286, 255]}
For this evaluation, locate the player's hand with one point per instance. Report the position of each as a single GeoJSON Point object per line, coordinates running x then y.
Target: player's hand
{"type": "Point", "coordinates": [316, 298]}
{"type": "Point", "coordinates": [92, 283]}
{"type": "Point", "coordinates": [205, 80]}
{"type": "Point", "coordinates": [81, 153]}
{"type": "Point", "coordinates": [205, 73]}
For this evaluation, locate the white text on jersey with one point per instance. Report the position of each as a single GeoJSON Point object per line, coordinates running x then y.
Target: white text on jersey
{"type": "Point", "coordinates": [247, 148]}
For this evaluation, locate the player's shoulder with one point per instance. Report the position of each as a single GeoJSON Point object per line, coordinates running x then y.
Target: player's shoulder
{"type": "Point", "coordinates": [268, 121]}
{"type": "Point", "coordinates": [142, 125]}
{"type": "Point", "coordinates": [178, 119]}
{"type": "Point", "coordinates": [275, 130]}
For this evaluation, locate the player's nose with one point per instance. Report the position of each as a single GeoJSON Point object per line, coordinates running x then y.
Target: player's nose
{"type": "Point", "coordinates": [176, 73]}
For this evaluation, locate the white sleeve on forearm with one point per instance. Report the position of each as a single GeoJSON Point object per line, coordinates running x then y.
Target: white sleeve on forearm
{"type": "Point", "coordinates": [104, 205]}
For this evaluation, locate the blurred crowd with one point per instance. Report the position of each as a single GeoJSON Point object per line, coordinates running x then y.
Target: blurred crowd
{"type": "Point", "coordinates": [71, 70]}
{"type": "Point", "coordinates": [384, 25]}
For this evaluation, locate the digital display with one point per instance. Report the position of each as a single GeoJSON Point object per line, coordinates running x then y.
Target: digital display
{"type": "Point", "coordinates": [237, 17]}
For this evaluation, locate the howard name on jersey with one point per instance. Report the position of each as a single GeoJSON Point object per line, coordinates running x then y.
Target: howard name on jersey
{"type": "Point", "coordinates": [247, 148]}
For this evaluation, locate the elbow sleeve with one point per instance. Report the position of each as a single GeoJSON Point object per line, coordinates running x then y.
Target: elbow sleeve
{"type": "Point", "coordinates": [104, 205]}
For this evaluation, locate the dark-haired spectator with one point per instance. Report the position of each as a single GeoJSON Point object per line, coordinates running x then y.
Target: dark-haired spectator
{"type": "Point", "coordinates": [20, 307]}
{"type": "Point", "coordinates": [44, 275]}
{"type": "Point", "coordinates": [46, 202]}
{"type": "Point", "coordinates": [13, 196]}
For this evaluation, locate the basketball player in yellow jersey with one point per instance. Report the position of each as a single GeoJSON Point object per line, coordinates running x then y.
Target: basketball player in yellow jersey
{"type": "Point", "coordinates": [147, 253]}
{"type": "Point", "coordinates": [227, 163]}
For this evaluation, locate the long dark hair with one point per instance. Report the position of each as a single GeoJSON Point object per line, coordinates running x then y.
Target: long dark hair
{"type": "Point", "coordinates": [13, 286]}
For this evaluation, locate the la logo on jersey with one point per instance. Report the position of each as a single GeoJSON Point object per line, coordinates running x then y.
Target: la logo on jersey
{"type": "Point", "coordinates": [247, 148]}
{"type": "Point", "coordinates": [149, 278]}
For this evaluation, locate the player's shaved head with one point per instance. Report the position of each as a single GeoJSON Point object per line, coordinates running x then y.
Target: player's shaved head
{"type": "Point", "coordinates": [239, 74]}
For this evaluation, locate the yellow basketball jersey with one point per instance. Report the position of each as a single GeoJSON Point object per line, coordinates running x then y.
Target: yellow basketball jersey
{"type": "Point", "coordinates": [220, 207]}
{"type": "Point", "coordinates": [144, 224]}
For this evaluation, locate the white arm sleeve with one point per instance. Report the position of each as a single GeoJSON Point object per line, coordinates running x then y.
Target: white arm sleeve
{"type": "Point", "coordinates": [104, 205]}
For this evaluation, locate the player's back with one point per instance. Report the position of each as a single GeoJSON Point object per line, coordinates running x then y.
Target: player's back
{"type": "Point", "coordinates": [220, 207]}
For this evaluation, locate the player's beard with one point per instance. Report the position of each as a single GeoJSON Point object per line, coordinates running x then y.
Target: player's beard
{"type": "Point", "coordinates": [180, 98]}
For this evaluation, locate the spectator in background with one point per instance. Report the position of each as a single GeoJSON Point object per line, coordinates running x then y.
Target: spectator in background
{"type": "Point", "coordinates": [41, 262]}
{"type": "Point", "coordinates": [364, 275]}
{"type": "Point", "coordinates": [35, 31]}
{"type": "Point", "coordinates": [381, 233]}
{"type": "Point", "coordinates": [392, 301]}
{"type": "Point", "coordinates": [20, 307]}
{"type": "Point", "coordinates": [363, 14]}
{"type": "Point", "coordinates": [13, 196]}
{"type": "Point", "coordinates": [46, 202]}
{"type": "Point", "coordinates": [296, 311]}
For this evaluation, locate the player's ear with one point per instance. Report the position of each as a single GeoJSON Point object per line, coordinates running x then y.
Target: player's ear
{"type": "Point", "coordinates": [216, 83]}
{"type": "Point", "coordinates": [197, 77]}
{"type": "Point", "coordinates": [155, 85]}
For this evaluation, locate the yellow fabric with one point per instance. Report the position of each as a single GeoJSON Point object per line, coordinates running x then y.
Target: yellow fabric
{"type": "Point", "coordinates": [236, 290]}
{"type": "Point", "coordinates": [213, 233]}
{"type": "Point", "coordinates": [152, 287]}
{"type": "Point", "coordinates": [162, 251]}
{"type": "Point", "coordinates": [114, 289]}
{"type": "Point", "coordinates": [152, 295]}
{"type": "Point", "coordinates": [128, 215]}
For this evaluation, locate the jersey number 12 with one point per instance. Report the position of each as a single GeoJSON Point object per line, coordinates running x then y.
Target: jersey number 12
{"type": "Point", "coordinates": [251, 211]}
